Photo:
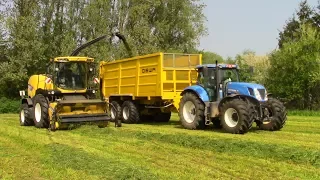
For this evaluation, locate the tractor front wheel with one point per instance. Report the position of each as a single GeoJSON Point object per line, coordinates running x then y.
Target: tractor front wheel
{"type": "Point", "coordinates": [277, 116]}
{"type": "Point", "coordinates": [235, 116]}
{"type": "Point", "coordinates": [191, 111]}
{"type": "Point", "coordinates": [41, 116]}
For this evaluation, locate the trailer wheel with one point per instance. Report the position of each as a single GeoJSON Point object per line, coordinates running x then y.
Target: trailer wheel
{"type": "Point", "coordinates": [235, 116]}
{"type": "Point", "coordinates": [41, 116]}
{"type": "Point", "coordinates": [162, 117]}
{"type": "Point", "coordinates": [191, 112]}
{"type": "Point", "coordinates": [277, 118]}
{"type": "Point", "coordinates": [25, 115]}
{"type": "Point", "coordinates": [129, 113]}
{"type": "Point", "coordinates": [115, 110]}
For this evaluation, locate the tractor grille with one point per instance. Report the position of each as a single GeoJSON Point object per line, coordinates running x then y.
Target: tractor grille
{"type": "Point", "coordinates": [262, 93]}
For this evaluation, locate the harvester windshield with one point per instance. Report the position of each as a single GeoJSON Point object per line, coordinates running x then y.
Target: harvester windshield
{"type": "Point", "coordinates": [71, 75]}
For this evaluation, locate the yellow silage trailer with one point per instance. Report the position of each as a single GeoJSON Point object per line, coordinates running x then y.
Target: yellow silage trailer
{"type": "Point", "coordinates": [147, 87]}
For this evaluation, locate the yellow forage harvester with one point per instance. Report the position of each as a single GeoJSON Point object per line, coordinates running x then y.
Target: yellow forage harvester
{"type": "Point", "coordinates": [65, 95]}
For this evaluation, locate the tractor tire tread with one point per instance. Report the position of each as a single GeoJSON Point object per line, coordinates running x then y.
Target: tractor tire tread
{"type": "Point", "coordinates": [279, 116]}
{"type": "Point", "coordinates": [244, 114]}
{"type": "Point", "coordinates": [199, 122]}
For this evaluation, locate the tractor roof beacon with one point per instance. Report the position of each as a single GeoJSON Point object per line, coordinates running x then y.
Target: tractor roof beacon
{"type": "Point", "coordinates": [219, 97]}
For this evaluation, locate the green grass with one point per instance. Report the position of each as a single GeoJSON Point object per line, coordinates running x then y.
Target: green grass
{"type": "Point", "coordinates": [303, 113]}
{"type": "Point", "coordinates": [159, 151]}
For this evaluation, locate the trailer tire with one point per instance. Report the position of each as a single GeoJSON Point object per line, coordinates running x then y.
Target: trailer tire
{"type": "Point", "coordinates": [195, 118]}
{"type": "Point", "coordinates": [162, 117]}
{"type": "Point", "coordinates": [235, 116]}
{"type": "Point", "coordinates": [129, 113]}
{"type": "Point", "coordinates": [40, 109]}
{"type": "Point", "coordinates": [115, 110]}
{"type": "Point", "coordinates": [278, 118]}
{"type": "Point", "coordinates": [25, 115]}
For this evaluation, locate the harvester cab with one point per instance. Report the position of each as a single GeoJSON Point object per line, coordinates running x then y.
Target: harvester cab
{"type": "Point", "coordinates": [219, 97]}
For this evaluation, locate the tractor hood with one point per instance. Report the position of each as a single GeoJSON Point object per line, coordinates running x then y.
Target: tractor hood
{"type": "Point", "coordinates": [250, 89]}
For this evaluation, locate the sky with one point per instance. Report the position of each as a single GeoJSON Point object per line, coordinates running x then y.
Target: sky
{"type": "Point", "coordinates": [237, 25]}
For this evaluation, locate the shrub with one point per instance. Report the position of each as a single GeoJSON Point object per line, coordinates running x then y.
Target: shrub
{"type": "Point", "coordinates": [9, 105]}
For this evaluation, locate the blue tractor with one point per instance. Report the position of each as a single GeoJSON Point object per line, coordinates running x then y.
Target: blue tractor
{"type": "Point", "coordinates": [220, 98]}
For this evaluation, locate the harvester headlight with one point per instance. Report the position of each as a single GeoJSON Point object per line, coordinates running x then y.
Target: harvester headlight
{"type": "Point", "coordinates": [93, 91]}
{"type": "Point", "coordinates": [52, 92]}
{"type": "Point", "coordinates": [257, 94]}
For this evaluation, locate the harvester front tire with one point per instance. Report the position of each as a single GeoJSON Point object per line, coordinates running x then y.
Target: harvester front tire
{"type": "Point", "coordinates": [41, 115]}
{"type": "Point", "coordinates": [129, 113]}
{"type": "Point", "coordinates": [162, 117]}
{"type": "Point", "coordinates": [278, 116]}
{"type": "Point", "coordinates": [25, 115]}
{"type": "Point", "coordinates": [191, 111]}
{"type": "Point", "coordinates": [235, 116]}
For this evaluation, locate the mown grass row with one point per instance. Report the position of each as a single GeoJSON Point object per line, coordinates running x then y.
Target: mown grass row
{"type": "Point", "coordinates": [159, 151]}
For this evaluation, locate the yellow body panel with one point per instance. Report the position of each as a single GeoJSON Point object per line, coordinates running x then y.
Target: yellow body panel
{"type": "Point", "coordinates": [160, 75]}
{"type": "Point", "coordinates": [38, 82]}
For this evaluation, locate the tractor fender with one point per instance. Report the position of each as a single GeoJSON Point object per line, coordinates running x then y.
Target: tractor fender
{"type": "Point", "coordinates": [27, 101]}
{"type": "Point", "coordinates": [198, 90]}
{"type": "Point", "coordinates": [251, 99]}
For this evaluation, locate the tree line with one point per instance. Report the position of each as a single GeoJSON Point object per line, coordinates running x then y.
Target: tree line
{"type": "Point", "coordinates": [33, 31]}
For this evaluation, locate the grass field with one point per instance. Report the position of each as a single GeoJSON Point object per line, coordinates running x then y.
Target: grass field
{"type": "Point", "coordinates": [159, 151]}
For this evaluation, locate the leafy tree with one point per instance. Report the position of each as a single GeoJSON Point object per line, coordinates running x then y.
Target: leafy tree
{"type": "Point", "coordinates": [38, 30]}
{"type": "Point", "coordinates": [211, 57]}
{"type": "Point", "coordinates": [305, 14]}
{"type": "Point", "coordinates": [295, 69]}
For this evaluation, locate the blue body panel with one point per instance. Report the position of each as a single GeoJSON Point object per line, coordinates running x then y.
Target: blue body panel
{"type": "Point", "coordinates": [242, 88]}
{"type": "Point", "coordinates": [202, 93]}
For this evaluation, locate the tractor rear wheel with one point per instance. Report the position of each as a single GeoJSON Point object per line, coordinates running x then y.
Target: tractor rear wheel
{"type": "Point", "coordinates": [191, 111]}
{"type": "Point", "coordinates": [40, 108]}
{"type": "Point", "coordinates": [129, 113]}
{"type": "Point", "coordinates": [235, 116]}
{"type": "Point", "coordinates": [115, 110]}
{"type": "Point", "coordinates": [25, 115]}
{"type": "Point", "coordinates": [277, 116]}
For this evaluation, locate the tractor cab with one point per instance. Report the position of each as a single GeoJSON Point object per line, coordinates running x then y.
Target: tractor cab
{"type": "Point", "coordinates": [215, 79]}
{"type": "Point", "coordinates": [222, 80]}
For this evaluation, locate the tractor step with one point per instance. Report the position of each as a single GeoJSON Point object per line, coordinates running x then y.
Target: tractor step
{"type": "Point", "coordinates": [84, 118]}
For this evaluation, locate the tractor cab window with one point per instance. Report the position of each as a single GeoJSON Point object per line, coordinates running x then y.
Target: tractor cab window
{"type": "Point", "coordinates": [209, 81]}
{"type": "Point", "coordinates": [71, 75]}
{"type": "Point", "coordinates": [229, 75]}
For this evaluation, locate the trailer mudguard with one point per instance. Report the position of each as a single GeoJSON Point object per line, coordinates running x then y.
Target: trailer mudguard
{"type": "Point", "coordinates": [199, 90]}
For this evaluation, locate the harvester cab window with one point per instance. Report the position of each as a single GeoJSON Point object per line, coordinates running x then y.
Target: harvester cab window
{"type": "Point", "coordinates": [71, 75]}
